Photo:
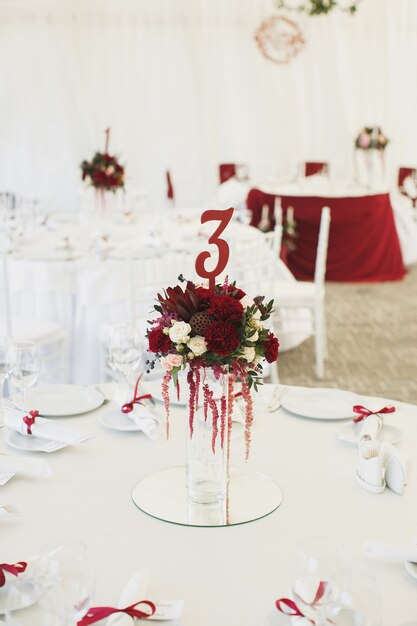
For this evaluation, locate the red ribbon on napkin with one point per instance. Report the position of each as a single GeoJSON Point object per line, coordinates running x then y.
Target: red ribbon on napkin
{"type": "Point", "coordinates": [11, 568]}
{"type": "Point", "coordinates": [364, 412]}
{"type": "Point", "coordinates": [101, 612]}
{"type": "Point", "coordinates": [289, 607]}
{"type": "Point", "coordinates": [29, 421]}
{"type": "Point", "coordinates": [129, 406]}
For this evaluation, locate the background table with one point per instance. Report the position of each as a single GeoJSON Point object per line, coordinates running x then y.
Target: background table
{"type": "Point", "coordinates": [363, 241]}
{"type": "Point", "coordinates": [226, 575]}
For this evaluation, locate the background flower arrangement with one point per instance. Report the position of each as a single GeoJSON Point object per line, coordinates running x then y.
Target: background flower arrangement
{"type": "Point", "coordinates": [318, 7]}
{"type": "Point", "coordinates": [222, 329]}
{"type": "Point", "coordinates": [371, 138]}
{"type": "Point", "coordinates": [103, 172]}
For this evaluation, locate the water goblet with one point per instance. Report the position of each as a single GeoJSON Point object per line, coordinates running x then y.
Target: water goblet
{"type": "Point", "coordinates": [125, 350]}
{"type": "Point", "coordinates": [65, 574]}
{"type": "Point", "coordinates": [4, 347]}
{"type": "Point", "coordinates": [320, 574]}
{"type": "Point", "coordinates": [23, 366]}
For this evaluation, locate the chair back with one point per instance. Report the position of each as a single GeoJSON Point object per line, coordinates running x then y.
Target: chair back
{"type": "Point", "coordinates": [170, 188]}
{"type": "Point", "coordinates": [226, 171]}
{"type": "Point", "coordinates": [311, 168]}
{"type": "Point", "coordinates": [403, 173]}
{"type": "Point", "coordinates": [5, 310]}
{"type": "Point", "coordinates": [322, 247]}
{"type": "Point", "coordinates": [252, 263]}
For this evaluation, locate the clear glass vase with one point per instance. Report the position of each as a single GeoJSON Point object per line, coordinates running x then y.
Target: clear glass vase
{"type": "Point", "coordinates": [208, 442]}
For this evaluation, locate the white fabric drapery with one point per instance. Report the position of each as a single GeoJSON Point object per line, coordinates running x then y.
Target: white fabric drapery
{"type": "Point", "coordinates": [183, 86]}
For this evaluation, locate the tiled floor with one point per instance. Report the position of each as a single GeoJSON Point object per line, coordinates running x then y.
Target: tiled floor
{"type": "Point", "coordinates": [372, 341]}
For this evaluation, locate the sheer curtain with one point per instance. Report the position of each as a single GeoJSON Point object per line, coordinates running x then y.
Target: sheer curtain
{"type": "Point", "coordinates": [183, 86]}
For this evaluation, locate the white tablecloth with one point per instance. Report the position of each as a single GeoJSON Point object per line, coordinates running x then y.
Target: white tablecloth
{"type": "Point", "coordinates": [227, 576]}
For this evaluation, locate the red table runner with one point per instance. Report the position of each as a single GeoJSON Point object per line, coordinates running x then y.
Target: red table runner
{"type": "Point", "coordinates": [363, 241]}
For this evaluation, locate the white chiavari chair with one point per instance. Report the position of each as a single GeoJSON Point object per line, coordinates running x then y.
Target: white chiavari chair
{"type": "Point", "coordinates": [52, 339]}
{"type": "Point", "coordinates": [310, 296]}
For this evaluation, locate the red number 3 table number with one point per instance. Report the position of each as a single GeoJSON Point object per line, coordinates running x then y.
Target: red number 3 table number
{"type": "Point", "coordinates": [224, 217]}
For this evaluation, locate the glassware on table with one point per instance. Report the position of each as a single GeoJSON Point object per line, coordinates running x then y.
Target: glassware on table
{"type": "Point", "coordinates": [124, 350]}
{"type": "Point", "coordinates": [23, 365]}
{"type": "Point", "coordinates": [361, 601]}
{"type": "Point", "coordinates": [320, 576]}
{"type": "Point", "coordinates": [65, 573]}
{"type": "Point", "coordinates": [4, 347]}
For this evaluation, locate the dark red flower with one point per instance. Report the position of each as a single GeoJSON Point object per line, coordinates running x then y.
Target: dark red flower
{"type": "Point", "coordinates": [271, 345]}
{"type": "Point", "coordinates": [221, 338]}
{"type": "Point", "coordinates": [204, 296]}
{"type": "Point", "coordinates": [225, 308]}
{"type": "Point", "coordinates": [158, 342]}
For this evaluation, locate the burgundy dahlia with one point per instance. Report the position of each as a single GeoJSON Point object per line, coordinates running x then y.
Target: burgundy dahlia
{"type": "Point", "coordinates": [225, 308]}
{"type": "Point", "coordinates": [158, 341]}
{"type": "Point", "coordinates": [271, 345]}
{"type": "Point", "coordinates": [222, 338]}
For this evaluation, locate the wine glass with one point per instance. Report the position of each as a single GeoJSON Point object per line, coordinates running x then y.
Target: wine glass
{"type": "Point", "coordinates": [125, 350]}
{"type": "Point", "coordinates": [23, 365]}
{"type": "Point", "coordinates": [64, 573]}
{"type": "Point", "coordinates": [320, 574]}
{"type": "Point", "coordinates": [4, 347]}
{"type": "Point", "coordinates": [361, 601]}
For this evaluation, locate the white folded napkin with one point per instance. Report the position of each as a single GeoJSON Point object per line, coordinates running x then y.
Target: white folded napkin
{"type": "Point", "coordinates": [390, 552]}
{"type": "Point", "coordinates": [34, 468]}
{"type": "Point", "coordinates": [133, 591]}
{"type": "Point", "coordinates": [370, 427]}
{"type": "Point", "coordinates": [141, 415]}
{"type": "Point", "coordinates": [136, 590]}
{"type": "Point", "coordinates": [44, 428]}
{"type": "Point", "coordinates": [370, 464]}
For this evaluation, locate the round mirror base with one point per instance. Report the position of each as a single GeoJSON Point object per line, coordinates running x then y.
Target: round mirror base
{"type": "Point", "coordinates": [163, 495]}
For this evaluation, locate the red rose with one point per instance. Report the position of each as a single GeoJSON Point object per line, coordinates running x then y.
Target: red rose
{"type": "Point", "coordinates": [158, 342]}
{"type": "Point", "coordinates": [271, 345]}
{"type": "Point", "coordinates": [221, 338]}
{"type": "Point", "coordinates": [225, 308]}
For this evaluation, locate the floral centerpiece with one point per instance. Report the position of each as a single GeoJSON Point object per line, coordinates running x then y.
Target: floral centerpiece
{"type": "Point", "coordinates": [371, 138]}
{"type": "Point", "coordinates": [222, 330]}
{"type": "Point", "coordinates": [104, 171]}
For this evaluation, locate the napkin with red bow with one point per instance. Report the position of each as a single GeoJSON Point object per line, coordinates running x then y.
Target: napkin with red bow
{"type": "Point", "coordinates": [30, 424]}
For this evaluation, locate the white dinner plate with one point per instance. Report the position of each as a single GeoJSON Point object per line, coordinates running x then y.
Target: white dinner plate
{"type": "Point", "coordinates": [389, 433]}
{"type": "Point", "coordinates": [32, 444]}
{"type": "Point", "coordinates": [63, 400]}
{"type": "Point", "coordinates": [411, 568]}
{"type": "Point", "coordinates": [320, 402]}
{"type": "Point", "coordinates": [154, 388]}
{"type": "Point", "coordinates": [118, 421]}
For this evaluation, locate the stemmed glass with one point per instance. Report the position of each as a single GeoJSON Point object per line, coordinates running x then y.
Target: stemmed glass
{"type": "Point", "coordinates": [361, 601]}
{"type": "Point", "coordinates": [65, 575]}
{"type": "Point", "coordinates": [23, 365]}
{"type": "Point", "coordinates": [320, 575]}
{"type": "Point", "coordinates": [124, 350]}
{"type": "Point", "coordinates": [4, 346]}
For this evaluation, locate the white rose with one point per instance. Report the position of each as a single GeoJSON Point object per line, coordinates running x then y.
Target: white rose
{"type": "Point", "coordinates": [248, 353]}
{"type": "Point", "coordinates": [179, 331]}
{"type": "Point", "coordinates": [198, 345]}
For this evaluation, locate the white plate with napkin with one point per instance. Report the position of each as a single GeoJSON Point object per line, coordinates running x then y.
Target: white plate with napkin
{"type": "Point", "coordinates": [141, 416]}
{"type": "Point", "coordinates": [320, 402]}
{"type": "Point", "coordinates": [43, 435]}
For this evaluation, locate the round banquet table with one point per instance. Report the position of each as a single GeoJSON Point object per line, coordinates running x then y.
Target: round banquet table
{"type": "Point", "coordinates": [363, 239]}
{"type": "Point", "coordinates": [76, 274]}
{"type": "Point", "coordinates": [229, 575]}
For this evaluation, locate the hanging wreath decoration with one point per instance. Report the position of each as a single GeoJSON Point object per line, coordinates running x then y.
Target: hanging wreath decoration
{"type": "Point", "coordinates": [318, 7]}
{"type": "Point", "coordinates": [279, 39]}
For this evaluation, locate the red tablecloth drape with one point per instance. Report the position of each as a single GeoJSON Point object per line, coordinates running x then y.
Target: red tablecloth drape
{"type": "Point", "coordinates": [363, 241]}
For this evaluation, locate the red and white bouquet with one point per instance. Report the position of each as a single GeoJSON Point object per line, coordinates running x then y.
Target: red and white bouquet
{"type": "Point", "coordinates": [222, 329]}
{"type": "Point", "coordinates": [371, 138]}
{"type": "Point", "coordinates": [103, 172]}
